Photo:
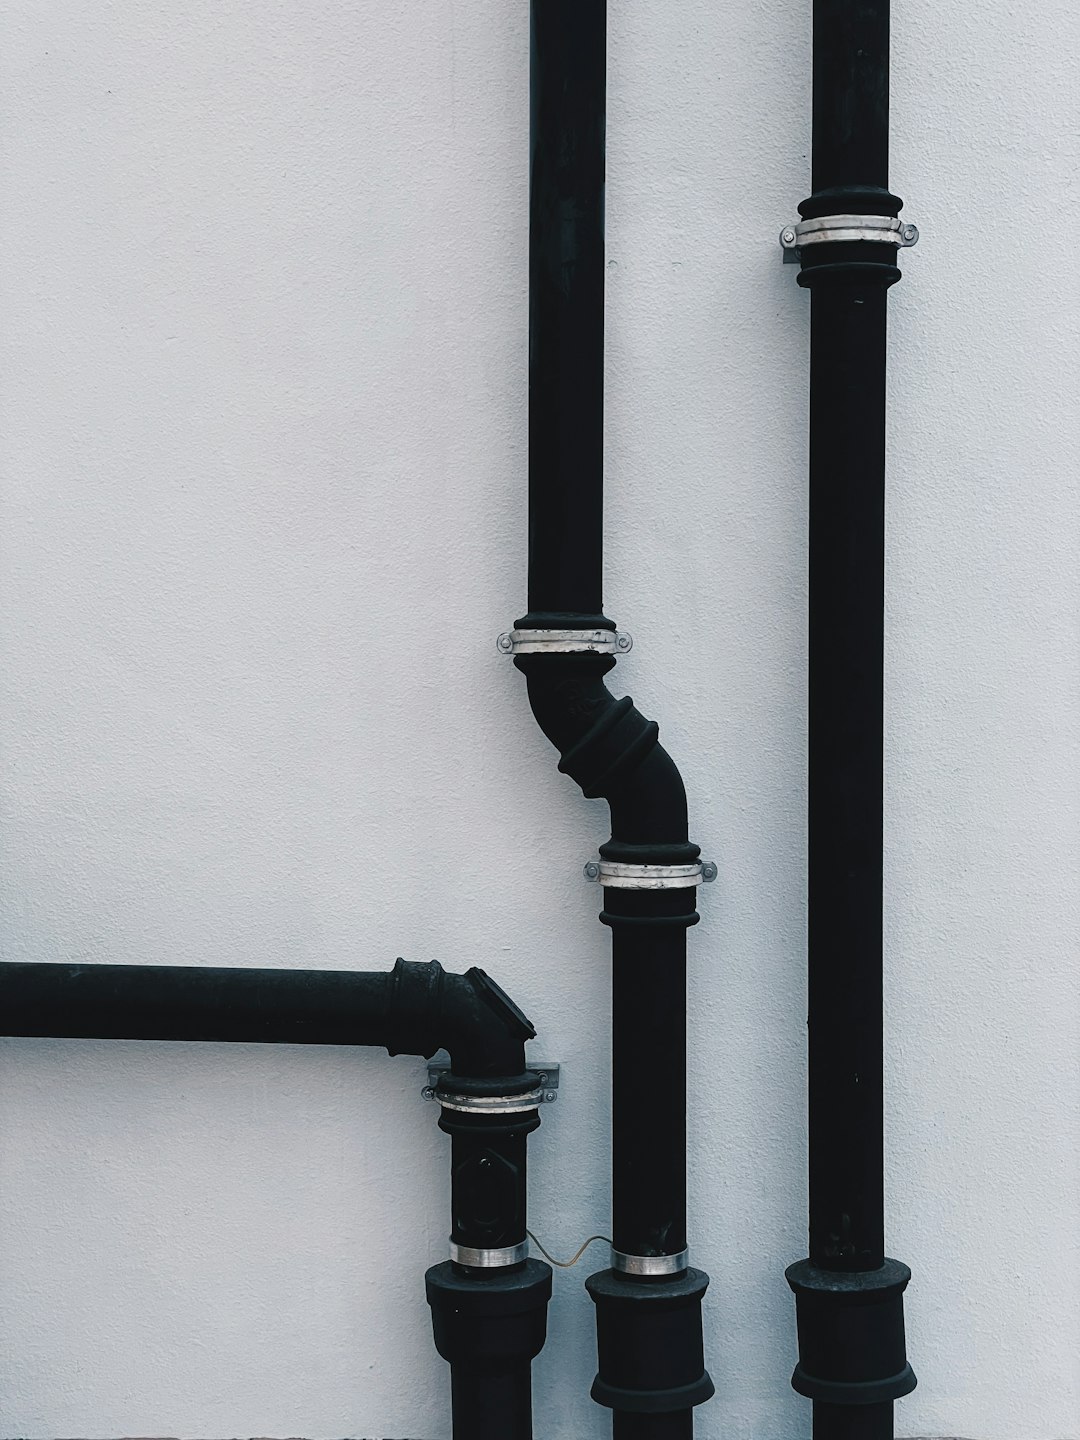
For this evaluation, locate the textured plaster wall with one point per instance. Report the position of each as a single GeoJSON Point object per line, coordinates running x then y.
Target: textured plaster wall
{"type": "Point", "coordinates": [264, 329]}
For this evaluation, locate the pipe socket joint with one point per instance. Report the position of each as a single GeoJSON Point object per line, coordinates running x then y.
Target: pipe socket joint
{"type": "Point", "coordinates": [492, 1319]}
{"type": "Point", "coordinates": [649, 1342]}
{"type": "Point", "coordinates": [852, 1349]}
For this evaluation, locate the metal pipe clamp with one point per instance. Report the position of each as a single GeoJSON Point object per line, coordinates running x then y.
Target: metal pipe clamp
{"type": "Point", "coordinates": [649, 1264]}
{"type": "Point", "coordinates": [488, 1259]}
{"type": "Point", "coordinates": [618, 875]}
{"type": "Point", "coordinates": [565, 642]}
{"type": "Point", "coordinates": [494, 1104]}
{"type": "Point", "coordinates": [842, 229]}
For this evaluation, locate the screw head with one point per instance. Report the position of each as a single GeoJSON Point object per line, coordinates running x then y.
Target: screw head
{"type": "Point", "coordinates": [550, 1096]}
{"type": "Point", "coordinates": [910, 234]}
{"type": "Point", "coordinates": [623, 641]}
{"type": "Point", "coordinates": [428, 1092]}
{"type": "Point", "coordinates": [708, 872]}
{"type": "Point", "coordinates": [788, 237]}
{"type": "Point", "coordinates": [591, 869]}
{"type": "Point", "coordinates": [504, 643]}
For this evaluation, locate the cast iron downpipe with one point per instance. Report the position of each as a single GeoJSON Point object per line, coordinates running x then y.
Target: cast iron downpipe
{"type": "Point", "coordinates": [849, 1295]}
{"type": "Point", "coordinates": [651, 1370]}
{"type": "Point", "coordinates": [488, 1303]}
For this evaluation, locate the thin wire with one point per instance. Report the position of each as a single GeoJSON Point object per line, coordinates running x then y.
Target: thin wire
{"type": "Point", "coordinates": [566, 1264]}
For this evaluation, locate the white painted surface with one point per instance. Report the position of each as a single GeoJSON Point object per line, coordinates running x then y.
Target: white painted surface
{"type": "Point", "coordinates": [264, 325]}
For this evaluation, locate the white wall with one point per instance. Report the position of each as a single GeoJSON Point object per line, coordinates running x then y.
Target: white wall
{"type": "Point", "coordinates": [264, 319]}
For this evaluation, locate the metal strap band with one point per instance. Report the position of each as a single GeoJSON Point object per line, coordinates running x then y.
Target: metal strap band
{"type": "Point", "coordinates": [842, 229]}
{"type": "Point", "coordinates": [650, 1264]}
{"type": "Point", "coordinates": [488, 1259]}
{"type": "Point", "coordinates": [492, 1104]}
{"type": "Point", "coordinates": [620, 876]}
{"type": "Point", "coordinates": [565, 642]}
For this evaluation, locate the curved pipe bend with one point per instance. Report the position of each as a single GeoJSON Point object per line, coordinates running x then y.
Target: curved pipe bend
{"type": "Point", "coordinates": [613, 752]}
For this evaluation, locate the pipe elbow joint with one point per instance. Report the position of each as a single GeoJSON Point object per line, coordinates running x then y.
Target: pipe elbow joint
{"type": "Point", "coordinates": [469, 1015]}
{"type": "Point", "coordinates": [613, 752]}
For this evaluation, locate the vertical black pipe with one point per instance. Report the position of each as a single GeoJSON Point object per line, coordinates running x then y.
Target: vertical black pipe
{"type": "Point", "coordinates": [847, 520]}
{"type": "Point", "coordinates": [648, 1062]}
{"type": "Point", "coordinates": [489, 1324]}
{"type": "Point", "coordinates": [851, 100]}
{"type": "Point", "coordinates": [566, 312]}
{"type": "Point", "coordinates": [651, 1369]}
{"type": "Point", "coordinates": [849, 1296]}
{"type": "Point", "coordinates": [492, 1404]}
{"type": "Point", "coordinates": [488, 1177]}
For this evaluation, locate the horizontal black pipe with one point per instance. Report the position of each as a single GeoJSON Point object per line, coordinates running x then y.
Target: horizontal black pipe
{"type": "Point", "coordinates": [414, 1009]}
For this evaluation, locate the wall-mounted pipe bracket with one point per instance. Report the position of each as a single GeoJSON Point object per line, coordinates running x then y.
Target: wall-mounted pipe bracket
{"type": "Point", "coordinates": [544, 1092]}
{"type": "Point", "coordinates": [565, 642]}
{"type": "Point", "coordinates": [619, 875]}
{"type": "Point", "coordinates": [843, 229]}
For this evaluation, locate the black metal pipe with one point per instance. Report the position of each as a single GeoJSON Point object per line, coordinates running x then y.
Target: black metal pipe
{"type": "Point", "coordinates": [849, 1296]}
{"type": "Point", "coordinates": [413, 1009]}
{"type": "Point", "coordinates": [488, 1177]}
{"type": "Point", "coordinates": [566, 310]}
{"type": "Point", "coordinates": [847, 569]}
{"type": "Point", "coordinates": [648, 1037]}
{"type": "Point", "coordinates": [651, 1366]}
{"type": "Point", "coordinates": [489, 1324]}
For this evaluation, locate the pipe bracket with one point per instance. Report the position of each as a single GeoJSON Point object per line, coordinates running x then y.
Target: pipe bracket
{"type": "Point", "coordinates": [565, 642]}
{"type": "Point", "coordinates": [622, 876]}
{"type": "Point", "coordinates": [649, 1264]}
{"type": "Point", "coordinates": [544, 1092]}
{"type": "Point", "coordinates": [843, 229]}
